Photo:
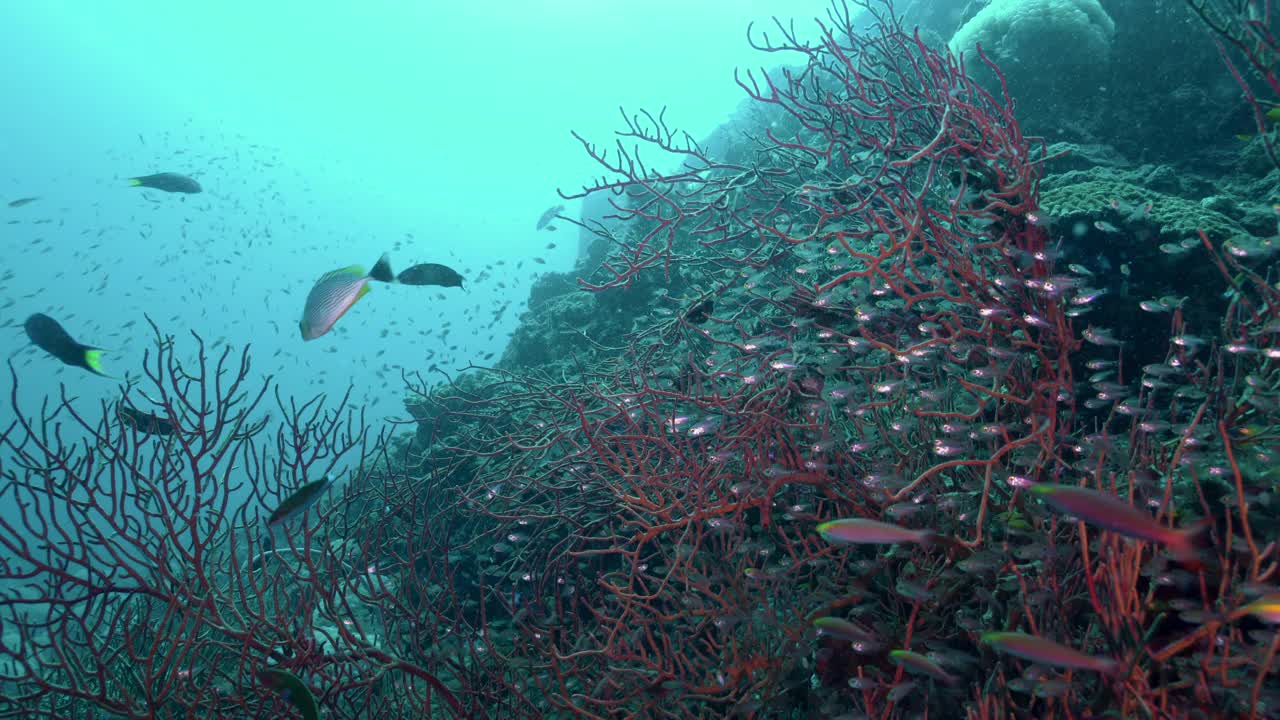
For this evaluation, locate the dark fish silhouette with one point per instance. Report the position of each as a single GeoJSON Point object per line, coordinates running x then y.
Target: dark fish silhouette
{"type": "Point", "coordinates": [22, 201]}
{"type": "Point", "coordinates": [429, 274]}
{"type": "Point", "coordinates": [548, 216]}
{"type": "Point", "coordinates": [49, 336]}
{"type": "Point", "coordinates": [382, 271]}
{"type": "Point", "coordinates": [701, 312]}
{"type": "Point", "coordinates": [291, 688]}
{"type": "Point", "coordinates": [143, 422]}
{"type": "Point", "coordinates": [299, 501]}
{"type": "Point", "coordinates": [168, 182]}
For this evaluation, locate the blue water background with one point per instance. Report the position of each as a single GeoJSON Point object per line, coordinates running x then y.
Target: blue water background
{"type": "Point", "coordinates": [324, 134]}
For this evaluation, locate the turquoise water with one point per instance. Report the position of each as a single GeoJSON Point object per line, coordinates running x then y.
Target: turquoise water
{"type": "Point", "coordinates": [324, 135]}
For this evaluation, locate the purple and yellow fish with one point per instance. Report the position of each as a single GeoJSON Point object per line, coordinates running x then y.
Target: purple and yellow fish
{"type": "Point", "coordinates": [1047, 652]}
{"type": "Point", "coordinates": [334, 294]}
{"type": "Point", "coordinates": [1111, 513]}
{"type": "Point", "coordinates": [1266, 609]}
{"type": "Point", "coordinates": [917, 663]}
{"type": "Point", "coordinates": [862, 531]}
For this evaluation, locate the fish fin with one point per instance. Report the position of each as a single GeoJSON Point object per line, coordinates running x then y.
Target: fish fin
{"type": "Point", "coordinates": [342, 272]}
{"type": "Point", "coordinates": [382, 271]}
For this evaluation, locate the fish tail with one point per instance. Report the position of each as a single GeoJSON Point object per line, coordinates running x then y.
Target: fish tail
{"type": "Point", "coordinates": [930, 537]}
{"type": "Point", "coordinates": [1186, 543]}
{"type": "Point", "coordinates": [382, 271]}
{"type": "Point", "coordinates": [1110, 667]}
{"type": "Point", "coordinates": [93, 361]}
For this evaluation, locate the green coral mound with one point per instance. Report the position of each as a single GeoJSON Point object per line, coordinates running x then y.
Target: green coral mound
{"type": "Point", "coordinates": [1172, 218]}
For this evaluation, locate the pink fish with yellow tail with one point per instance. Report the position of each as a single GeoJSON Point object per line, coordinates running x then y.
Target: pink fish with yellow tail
{"type": "Point", "coordinates": [1047, 652]}
{"type": "Point", "coordinates": [862, 531]}
{"type": "Point", "coordinates": [1111, 513]}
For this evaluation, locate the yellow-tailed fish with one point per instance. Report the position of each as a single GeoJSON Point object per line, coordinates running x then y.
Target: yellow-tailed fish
{"type": "Point", "coordinates": [1111, 513]}
{"type": "Point", "coordinates": [861, 531]}
{"type": "Point", "coordinates": [334, 294]}
{"type": "Point", "coordinates": [1265, 609]}
{"type": "Point", "coordinates": [292, 689]}
{"type": "Point", "coordinates": [48, 335]}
